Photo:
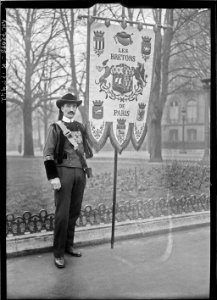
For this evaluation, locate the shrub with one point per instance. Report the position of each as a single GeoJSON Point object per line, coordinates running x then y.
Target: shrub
{"type": "Point", "coordinates": [185, 178]}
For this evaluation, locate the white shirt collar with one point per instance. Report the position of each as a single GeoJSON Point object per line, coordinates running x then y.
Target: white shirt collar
{"type": "Point", "coordinates": [67, 120]}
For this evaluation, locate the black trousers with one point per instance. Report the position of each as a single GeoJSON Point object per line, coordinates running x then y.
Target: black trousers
{"type": "Point", "coordinates": [68, 201]}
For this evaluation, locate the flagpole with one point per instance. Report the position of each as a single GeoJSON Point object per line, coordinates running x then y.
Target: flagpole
{"type": "Point", "coordinates": [128, 22]}
{"type": "Point", "coordinates": [115, 171]}
{"type": "Point", "coordinates": [88, 65]}
{"type": "Point", "coordinates": [114, 196]}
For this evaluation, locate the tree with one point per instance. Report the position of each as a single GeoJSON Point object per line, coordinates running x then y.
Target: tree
{"type": "Point", "coordinates": [30, 36]}
{"type": "Point", "coordinates": [172, 49]}
{"type": "Point", "coordinates": [45, 105]}
{"type": "Point", "coordinates": [77, 70]}
{"type": "Point", "coordinates": [190, 50]}
{"type": "Point", "coordinates": [13, 126]}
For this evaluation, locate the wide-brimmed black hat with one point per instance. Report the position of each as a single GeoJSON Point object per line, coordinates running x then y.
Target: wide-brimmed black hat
{"type": "Point", "coordinates": [68, 98]}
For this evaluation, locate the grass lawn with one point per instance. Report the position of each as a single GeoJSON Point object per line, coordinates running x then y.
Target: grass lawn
{"type": "Point", "coordinates": [29, 190]}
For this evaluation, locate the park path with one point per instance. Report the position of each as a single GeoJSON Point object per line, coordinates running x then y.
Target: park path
{"type": "Point", "coordinates": [158, 266]}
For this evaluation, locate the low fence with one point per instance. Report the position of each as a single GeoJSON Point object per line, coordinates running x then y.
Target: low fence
{"type": "Point", "coordinates": [32, 223]}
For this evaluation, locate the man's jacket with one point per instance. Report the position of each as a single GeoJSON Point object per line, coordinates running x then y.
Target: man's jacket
{"type": "Point", "coordinates": [59, 152]}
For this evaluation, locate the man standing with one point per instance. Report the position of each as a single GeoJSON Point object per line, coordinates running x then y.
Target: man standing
{"type": "Point", "coordinates": [65, 152]}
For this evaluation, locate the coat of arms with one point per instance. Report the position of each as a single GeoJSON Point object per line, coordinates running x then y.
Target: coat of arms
{"type": "Point", "coordinates": [126, 84]}
{"type": "Point", "coordinates": [141, 112]}
{"type": "Point", "coordinates": [97, 109]}
{"type": "Point", "coordinates": [122, 78]}
{"type": "Point", "coordinates": [98, 42]}
{"type": "Point", "coordinates": [120, 130]}
{"type": "Point", "coordinates": [146, 47]}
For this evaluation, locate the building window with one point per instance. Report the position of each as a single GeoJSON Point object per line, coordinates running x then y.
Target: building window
{"type": "Point", "coordinates": [173, 135]}
{"type": "Point", "coordinates": [174, 111]}
{"type": "Point", "coordinates": [192, 111]}
{"type": "Point", "coordinates": [192, 135]}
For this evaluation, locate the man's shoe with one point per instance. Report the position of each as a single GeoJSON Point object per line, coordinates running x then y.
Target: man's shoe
{"type": "Point", "coordinates": [59, 262]}
{"type": "Point", "coordinates": [72, 252]}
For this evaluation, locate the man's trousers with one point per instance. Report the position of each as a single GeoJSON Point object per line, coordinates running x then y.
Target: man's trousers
{"type": "Point", "coordinates": [68, 201]}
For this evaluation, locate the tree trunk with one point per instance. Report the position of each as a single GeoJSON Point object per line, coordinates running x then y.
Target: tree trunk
{"type": "Point", "coordinates": [72, 54]}
{"type": "Point", "coordinates": [160, 87]}
{"type": "Point", "coordinates": [155, 110]}
{"type": "Point", "coordinates": [155, 141]}
{"type": "Point", "coordinates": [166, 46]}
{"type": "Point", "coordinates": [27, 105]}
{"type": "Point", "coordinates": [27, 124]}
{"type": "Point", "coordinates": [45, 128]}
{"type": "Point", "coordinates": [83, 114]}
{"type": "Point", "coordinates": [45, 119]}
{"type": "Point", "coordinates": [39, 134]}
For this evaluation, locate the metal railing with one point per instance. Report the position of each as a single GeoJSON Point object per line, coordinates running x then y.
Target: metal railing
{"type": "Point", "coordinates": [30, 223]}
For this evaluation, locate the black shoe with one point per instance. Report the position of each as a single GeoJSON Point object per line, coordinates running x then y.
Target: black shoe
{"type": "Point", "coordinates": [59, 262]}
{"type": "Point", "coordinates": [72, 252]}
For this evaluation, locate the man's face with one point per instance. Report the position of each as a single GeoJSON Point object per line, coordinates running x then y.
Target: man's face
{"type": "Point", "coordinates": [69, 110]}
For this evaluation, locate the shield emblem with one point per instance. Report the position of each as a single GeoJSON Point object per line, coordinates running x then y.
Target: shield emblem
{"type": "Point", "coordinates": [98, 42]}
{"type": "Point", "coordinates": [122, 81]}
{"type": "Point", "coordinates": [141, 112]}
{"type": "Point", "coordinates": [146, 47]}
{"type": "Point", "coordinates": [120, 130]}
{"type": "Point", "coordinates": [97, 109]}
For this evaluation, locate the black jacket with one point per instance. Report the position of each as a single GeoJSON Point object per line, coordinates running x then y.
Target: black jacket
{"type": "Point", "coordinates": [54, 147]}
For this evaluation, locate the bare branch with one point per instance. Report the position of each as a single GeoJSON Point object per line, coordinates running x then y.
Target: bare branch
{"type": "Point", "coordinates": [179, 52]}
{"type": "Point", "coordinates": [19, 22]}
{"type": "Point", "coordinates": [15, 101]}
{"type": "Point", "coordinates": [181, 76]}
{"type": "Point", "coordinates": [178, 88]}
{"type": "Point", "coordinates": [65, 26]}
{"type": "Point", "coordinates": [182, 69]}
{"type": "Point", "coordinates": [15, 91]}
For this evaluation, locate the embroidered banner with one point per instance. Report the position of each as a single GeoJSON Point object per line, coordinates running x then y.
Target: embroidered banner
{"type": "Point", "coordinates": [120, 74]}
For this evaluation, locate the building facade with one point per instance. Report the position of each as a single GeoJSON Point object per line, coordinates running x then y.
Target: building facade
{"type": "Point", "coordinates": [183, 121]}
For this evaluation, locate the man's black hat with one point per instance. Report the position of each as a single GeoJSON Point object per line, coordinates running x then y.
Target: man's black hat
{"type": "Point", "coordinates": [68, 98]}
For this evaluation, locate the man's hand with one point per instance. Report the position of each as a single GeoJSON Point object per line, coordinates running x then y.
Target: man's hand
{"type": "Point", "coordinates": [55, 183]}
